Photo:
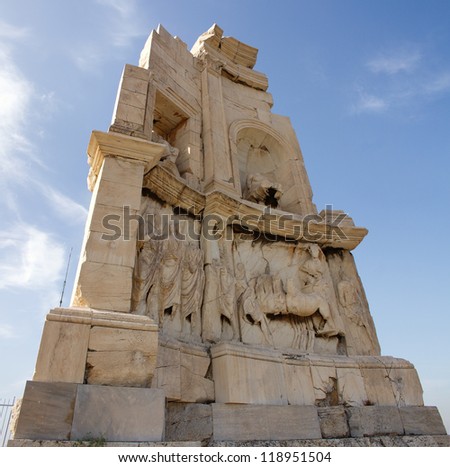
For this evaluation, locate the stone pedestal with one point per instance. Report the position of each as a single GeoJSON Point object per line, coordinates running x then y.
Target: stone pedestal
{"type": "Point", "coordinates": [251, 375]}
{"type": "Point", "coordinates": [98, 347]}
{"type": "Point", "coordinates": [77, 412]}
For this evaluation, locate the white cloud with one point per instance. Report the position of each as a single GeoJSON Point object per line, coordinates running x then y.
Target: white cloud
{"type": "Point", "coordinates": [391, 64]}
{"type": "Point", "coordinates": [16, 93]}
{"type": "Point", "coordinates": [31, 258]}
{"type": "Point", "coordinates": [88, 56]}
{"type": "Point", "coordinates": [18, 97]}
{"type": "Point", "coordinates": [121, 24]}
{"type": "Point", "coordinates": [70, 210]}
{"type": "Point", "coordinates": [7, 331]}
{"type": "Point", "coordinates": [396, 91]}
{"type": "Point", "coordinates": [370, 104]}
{"type": "Point", "coordinates": [9, 31]}
{"type": "Point", "coordinates": [126, 24]}
{"type": "Point", "coordinates": [125, 8]}
{"type": "Point", "coordinates": [437, 84]}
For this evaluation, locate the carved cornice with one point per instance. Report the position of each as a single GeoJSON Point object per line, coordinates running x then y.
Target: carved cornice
{"type": "Point", "coordinates": [328, 229]}
{"type": "Point", "coordinates": [235, 72]}
{"type": "Point", "coordinates": [297, 358]}
{"type": "Point", "coordinates": [114, 144]}
{"type": "Point", "coordinates": [174, 190]}
{"type": "Point", "coordinates": [110, 319]}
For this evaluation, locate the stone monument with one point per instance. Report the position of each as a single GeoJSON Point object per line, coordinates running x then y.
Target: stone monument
{"type": "Point", "coordinates": [212, 302]}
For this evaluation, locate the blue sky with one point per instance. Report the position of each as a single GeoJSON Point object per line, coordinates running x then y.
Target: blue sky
{"type": "Point", "coordinates": [366, 85]}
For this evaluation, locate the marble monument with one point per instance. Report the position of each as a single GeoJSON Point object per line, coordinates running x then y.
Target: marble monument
{"type": "Point", "coordinates": [212, 302]}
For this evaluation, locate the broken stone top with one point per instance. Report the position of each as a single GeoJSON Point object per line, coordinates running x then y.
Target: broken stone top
{"type": "Point", "coordinates": [227, 56]}
{"type": "Point", "coordinates": [234, 50]}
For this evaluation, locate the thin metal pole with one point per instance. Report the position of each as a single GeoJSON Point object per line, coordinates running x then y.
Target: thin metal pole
{"type": "Point", "coordinates": [65, 278]}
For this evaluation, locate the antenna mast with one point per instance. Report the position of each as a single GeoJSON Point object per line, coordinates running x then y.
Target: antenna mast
{"type": "Point", "coordinates": [65, 278]}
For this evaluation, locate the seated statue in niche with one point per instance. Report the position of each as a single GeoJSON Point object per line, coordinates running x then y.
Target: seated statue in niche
{"type": "Point", "coordinates": [261, 190]}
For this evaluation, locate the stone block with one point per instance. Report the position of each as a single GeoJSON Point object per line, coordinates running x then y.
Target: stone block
{"type": "Point", "coordinates": [194, 386]}
{"type": "Point", "coordinates": [374, 421]}
{"type": "Point", "coordinates": [121, 355]}
{"type": "Point", "coordinates": [324, 382]}
{"type": "Point", "coordinates": [109, 220]}
{"type": "Point", "coordinates": [118, 414]}
{"type": "Point", "coordinates": [350, 386]}
{"type": "Point", "coordinates": [299, 386]}
{"type": "Point", "coordinates": [378, 386]}
{"type": "Point", "coordinates": [130, 113]}
{"type": "Point", "coordinates": [333, 422]}
{"type": "Point", "coordinates": [102, 339]}
{"type": "Point", "coordinates": [62, 352]}
{"type": "Point", "coordinates": [406, 386]}
{"type": "Point", "coordinates": [131, 368]}
{"type": "Point", "coordinates": [422, 421]}
{"type": "Point", "coordinates": [46, 412]}
{"type": "Point", "coordinates": [135, 84]}
{"type": "Point", "coordinates": [133, 99]}
{"type": "Point", "coordinates": [188, 422]}
{"type": "Point", "coordinates": [248, 375]}
{"type": "Point", "coordinates": [132, 71]}
{"type": "Point", "coordinates": [181, 371]}
{"type": "Point", "coordinates": [125, 171]}
{"type": "Point", "coordinates": [104, 287]}
{"type": "Point", "coordinates": [167, 372]}
{"type": "Point", "coordinates": [109, 247]}
{"type": "Point", "coordinates": [118, 194]}
{"type": "Point", "coordinates": [238, 422]}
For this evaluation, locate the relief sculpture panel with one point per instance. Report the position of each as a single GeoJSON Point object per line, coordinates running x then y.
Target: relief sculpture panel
{"type": "Point", "coordinates": [271, 293]}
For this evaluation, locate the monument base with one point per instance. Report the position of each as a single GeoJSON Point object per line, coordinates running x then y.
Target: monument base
{"type": "Point", "coordinates": [242, 423]}
{"type": "Point", "coordinates": [255, 375]}
{"type": "Point", "coordinates": [375, 441]}
{"type": "Point", "coordinates": [77, 412]}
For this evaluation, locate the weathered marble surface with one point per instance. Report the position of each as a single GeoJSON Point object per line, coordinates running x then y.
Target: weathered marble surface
{"type": "Point", "coordinates": [118, 414]}
{"type": "Point", "coordinates": [188, 422]}
{"type": "Point", "coordinates": [285, 377]}
{"type": "Point", "coordinates": [182, 371]}
{"type": "Point", "coordinates": [69, 411]}
{"type": "Point", "coordinates": [377, 441]}
{"type": "Point", "coordinates": [209, 281]}
{"type": "Point", "coordinates": [236, 422]}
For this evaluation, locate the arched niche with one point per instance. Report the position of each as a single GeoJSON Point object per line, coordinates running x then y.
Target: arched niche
{"type": "Point", "coordinates": [258, 149]}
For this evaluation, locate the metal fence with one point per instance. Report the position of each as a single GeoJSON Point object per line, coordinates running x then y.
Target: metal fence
{"type": "Point", "coordinates": [6, 406]}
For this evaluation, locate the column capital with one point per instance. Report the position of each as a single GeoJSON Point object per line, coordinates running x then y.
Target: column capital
{"type": "Point", "coordinates": [113, 144]}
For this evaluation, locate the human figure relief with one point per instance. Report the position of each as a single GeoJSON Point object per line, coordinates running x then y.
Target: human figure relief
{"type": "Point", "coordinates": [170, 279]}
{"type": "Point", "coordinates": [227, 300]}
{"type": "Point", "coordinates": [219, 318]}
{"type": "Point", "coordinates": [248, 304]}
{"type": "Point", "coordinates": [271, 295]}
{"type": "Point", "coordinates": [192, 284]}
{"type": "Point", "coordinates": [145, 276]}
{"type": "Point", "coordinates": [350, 300]}
{"type": "Point", "coordinates": [312, 297]}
